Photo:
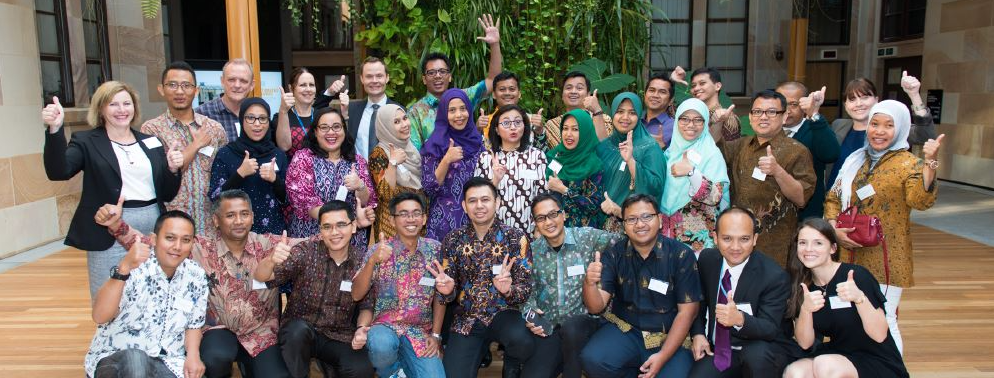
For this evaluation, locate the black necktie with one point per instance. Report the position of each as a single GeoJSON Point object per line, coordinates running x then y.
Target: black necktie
{"type": "Point", "coordinates": [372, 131]}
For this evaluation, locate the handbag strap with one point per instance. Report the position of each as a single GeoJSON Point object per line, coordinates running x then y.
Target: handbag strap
{"type": "Point", "coordinates": [883, 243]}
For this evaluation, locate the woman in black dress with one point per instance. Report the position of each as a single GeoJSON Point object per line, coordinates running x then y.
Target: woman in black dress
{"type": "Point", "coordinates": [841, 301]}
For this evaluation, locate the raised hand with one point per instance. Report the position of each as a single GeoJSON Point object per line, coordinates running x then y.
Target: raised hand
{"type": "Point", "coordinates": [498, 169]}
{"type": "Point", "coordinates": [383, 252]}
{"type": "Point", "coordinates": [682, 167]}
{"type": "Point", "coordinates": [848, 291]}
{"type": "Point", "coordinates": [609, 207]}
{"type": "Point", "coordinates": [768, 164]}
{"type": "Point", "coordinates": [701, 347]}
{"type": "Point", "coordinates": [482, 121]}
{"type": "Point", "coordinates": [453, 154]}
{"type": "Point", "coordinates": [137, 255]}
{"type": "Point", "coordinates": [555, 184]}
{"type": "Point", "coordinates": [813, 300]}
{"type": "Point", "coordinates": [443, 283]}
{"type": "Point", "coordinates": [174, 157]}
{"type": "Point", "coordinates": [491, 29]}
{"type": "Point", "coordinates": [812, 102]}
{"type": "Point", "coordinates": [249, 166]}
{"type": "Point", "coordinates": [679, 75]}
{"type": "Point", "coordinates": [397, 155]}
{"type": "Point", "coordinates": [281, 251]}
{"type": "Point", "coordinates": [538, 331]}
{"type": "Point", "coordinates": [537, 122]}
{"type": "Point", "coordinates": [359, 338]}
{"type": "Point", "coordinates": [625, 148]}
{"type": "Point", "coordinates": [591, 104]}
{"type": "Point", "coordinates": [365, 216]}
{"type": "Point", "coordinates": [721, 115]}
{"type": "Point", "coordinates": [268, 171]}
{"type": "Point", "coordinates": [53, 115]}
{"type": "Point", "coordinates": [110, 214]}
{"type": "Point", "coordinates": [910, 84]}
{"type": "Point", "coordinates": [727, 314]}
{"type": "Point", "coordinates": [594, 269]}
{"type": "Point", "coordinates": [343, 100]}
{"type": "Point", "coordinates": [352, 181]}
{"type": "Point", "coordinates": [503, 280]}
{"type": "Point", "coordinates": [286, 100]}
{"type": "Point", "coordinates": [337, 86]}
{"type": "Point", "coordinates": [931, 147]}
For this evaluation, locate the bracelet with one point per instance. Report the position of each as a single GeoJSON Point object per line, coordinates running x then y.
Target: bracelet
{"type": "Point", "coordinates": [436, 336]}
{"type": "Point", "coordinates": [931, 163]}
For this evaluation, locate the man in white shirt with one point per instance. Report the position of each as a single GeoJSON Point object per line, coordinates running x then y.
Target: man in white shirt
{"type": "Point", "coordinates": [362, 113]}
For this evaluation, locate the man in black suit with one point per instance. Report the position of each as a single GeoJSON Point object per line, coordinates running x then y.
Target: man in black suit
{"type": "Point", "coordinates": [742, 332]}
{"type": "Point", "coordinates": [362, 113]}
{"type": "Point", "coordinates": [807, 126]}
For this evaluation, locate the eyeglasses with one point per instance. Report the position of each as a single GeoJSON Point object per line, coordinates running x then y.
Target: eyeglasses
{"type": "Point", "coordinates": [259, 120]}
{"type": "Point", "coordinates": [687, 120]}
{"type": "Point", "coordinates": [409, 214]}
{"type": "Point", "coordinates": [516, 123]}
{"type": "Point", "coordinates": [186, 86]}
{"type": "Point", "coordinates": [769, 112]}
{"type": "Point", "coordinates": [438, 72]}
{"type": "Point", "coordinates": [340, 226]}
{"type": "Point", "coordinates": [550, 216]}
{"type": "Point", "coordinates": [324, 129]}
{"type": "Point", "coordinates": [645, 218]}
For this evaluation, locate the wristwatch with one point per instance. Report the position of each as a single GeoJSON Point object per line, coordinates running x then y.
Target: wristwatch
{"type": "Point", "coordinates": [816, 117]}
{"type": "Point", "coordinates": [394, 163]}
{"type": "Point", "coordinates": [692, 171]}
{"type": "Point", "coordinates": [114, 274]}
{"type": "Point", "coordinates": [598, 113]}
{"type": "Point", "coordinates": [934, 164]}
{"type": "Point", "coordinates": [436, 336]}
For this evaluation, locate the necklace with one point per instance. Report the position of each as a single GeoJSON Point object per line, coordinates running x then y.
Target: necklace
{"type": "Point", "coordinates": [127, 153]}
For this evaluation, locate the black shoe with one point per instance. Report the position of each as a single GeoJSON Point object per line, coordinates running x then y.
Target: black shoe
{"type": "Point", "coordinates": [511, 370]}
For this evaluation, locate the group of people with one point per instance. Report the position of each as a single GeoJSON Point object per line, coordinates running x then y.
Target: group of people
{"type": "Point", "coordinates": [649, 239]}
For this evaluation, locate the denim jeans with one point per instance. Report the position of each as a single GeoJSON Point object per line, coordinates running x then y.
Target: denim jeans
{"type": "Point", "coordinates": [611, 353]}
{"type": "Point", "coordinates": [389, 352]}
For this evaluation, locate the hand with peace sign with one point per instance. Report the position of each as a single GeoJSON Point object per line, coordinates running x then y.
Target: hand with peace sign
{"type": "Point", "coordinates": [848, 291]}
{"type": "Point", "coordinates": [768, 164]}
{"type": "Point", "coordinates": [281, 251]}
{"type": "Point", "coordinates": [502, 281]}
{"type": "Point", "coordinates": [286, 100]}
{"type": "Point", "coordinates": [174, 157]}
{"type": "Point", "coordinates": [594, 269]}
{"type": "Point", "coordinates": [556, 185]}
{"type": "Point", "coordinates": [813, 300]}
{"type": "Point", "coordinates": [397, 155]}
{"type": "Point", "coordinates": [591, 103]}
{"type": "Point", "coordinates": [443, 283]}
{"type": "Point", "coordinates": [682, 167]}
{"type": "Point", "coordinates": [491, 29]}
{"type": "Point", "coordinates": [249, 166]}
{"type": "Point", "coordinates": [109, 215]}
{"type": "Point", "coordinates": [625, 148]}
{"type": "Point", "coordinates": [53, 115]}
{"type": "Point", "coordinates": [365, 216]}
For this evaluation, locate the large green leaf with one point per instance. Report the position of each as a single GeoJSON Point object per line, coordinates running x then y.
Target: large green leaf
{"type": "Point", "coordinates": [409, 4]}
{"type": "Point", "coordinates": [594, 68]}
{"type": "Point", "coordinates": [443, 16]}
{"type": "Point", "coordinates": [613, 83]}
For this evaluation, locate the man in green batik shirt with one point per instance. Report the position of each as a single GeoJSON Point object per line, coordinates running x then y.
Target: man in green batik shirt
{"type": "Point", "coordinates": [559, 261]}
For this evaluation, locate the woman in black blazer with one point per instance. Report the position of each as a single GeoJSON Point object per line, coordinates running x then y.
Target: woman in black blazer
{"type": "Point", "coordinates": [121, 164]}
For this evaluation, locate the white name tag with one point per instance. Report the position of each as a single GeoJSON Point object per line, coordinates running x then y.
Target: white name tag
{"type": "Point", "coordinates": [238, 128]}
{"type": "Point", "coordinates": [207, 151]}
{"type": "Point", "coordinates": [744, 307]}
{"type": "Point", "coordinates": [758, 174]}
{"type": "Point", "coordinates": [694, 157]}
{"type": "Point", "coordinates": [184, 304]}
{"type": "Point", "coordinates": [346, 286]}
{"type": "Point", "coordinates": [276, 167]}
{"type": "Point", "coordinates": [658, 286]}
{"type": "Point", "coordinates": [496, 269]}
{"type": "Point", "coordinates": [622, 166]}
{"type": "Point", "coordinates": [256, 285]}
{"type": "Point", "coordinates": [555, 166]}
{"type": "Point", "coordinates": [341, 193]}
{"type": "Point", "coordinates": [865, 192]}
{"type": "Point", "coordinates": [837, 303]}
{"type": "Point", "coordinates": [528, 174]}
{"type": "Point", "coordinates": [574, 270]}
{"type": "Point", "coordinates": [152, 142]}
{"type": "Point", "coordinates": [426, 281]}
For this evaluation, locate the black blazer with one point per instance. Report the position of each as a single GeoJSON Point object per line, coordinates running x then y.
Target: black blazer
{"type": "Point", "coordinates": [355, 115]}
{"type": "Point", "coordinates": [91, 151]}
{"type": "Point", "coordinates": [763, 284]}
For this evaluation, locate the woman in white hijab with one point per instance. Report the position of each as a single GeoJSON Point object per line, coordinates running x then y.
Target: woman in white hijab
{"type": "Point", "coordinates": [884, 180]}
{"type": "Point", "coordinates": [394, 164]}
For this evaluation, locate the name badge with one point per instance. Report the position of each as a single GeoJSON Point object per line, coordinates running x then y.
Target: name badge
{"type": "Point", "coordinates": [865, 192]}
{"type": "Point", "coordinates": [152, 142]}
{"type": "Point", "coordinates": [658, 286]}
{"type": "Point", "coordinates": [496, 269]}
{"type": "Point", "coordinates": [758, 174]}
{"type": "Point", "coordinates": [256, 285]}
{"type": "Point", "coordinates": [346, 286]}
{"type": "Point", "coordinates": [425, 281]}
{"type": "Point", "coordinates": [528, 174]}
{"type": "Point", "coordinates": [574, 270]}
{"type": "Point", "coordinates": [341, 193]}
{"type": "Point", "coordinates": [622, 166]}
{"type": "Point", "coordinates": [184, 304]}
{"type": "Point", "coordinates": [744, 307]}
{"type": "Point", "coordinates": [555, 166]}
{"type": "Point", "coordinates": [694, 157]}
{"type": "Point", "coordinates": [838, 303]}
{"type": "Point", "coordinates": [238, 128]}
{"type": "Point", "coordinates": [207, 151]}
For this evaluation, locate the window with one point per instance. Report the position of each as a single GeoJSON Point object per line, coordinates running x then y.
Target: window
{"type": "Point", "coordinates": [53, 48]}
{"type": "Point", "coordinates": [901, 20]}
{"type": "Point", "coordinates": [95, 42]}
{"type": "Point", "coordinates": [670, 40]}
{"type": "Point", "coordinates": [336, 32]}
{"type": "Point", "coordinates": [166, 34]}
{"type": "Point", "coordinates": [727, 39]}
{"type": "Point", "coordinates": [828, 22]}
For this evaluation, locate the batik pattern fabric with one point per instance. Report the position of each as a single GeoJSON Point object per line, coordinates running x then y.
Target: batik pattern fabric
{"type": "Point", "coordinates": [422, 112]}
{"type": "Point", "coordinates": [525, 179]}
{"type": "Point", "coordinates": [313, 180]}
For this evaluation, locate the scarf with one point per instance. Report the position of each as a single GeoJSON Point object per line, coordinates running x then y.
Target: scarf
{"type": "Point", "coordinates": [468, 138]}
{"type": "Point", "coordinates": [902, 125]}
{"type": "Point", "coordinates": [645, 151]}
{"type": "Point", "coordinates": [582, 161]}
{"type": "Point", "coordinates": [387, 134]}
{"type": "Point", "coordinates": [263, 150]}
{"type": "Point", "coordinates": [712, 165]}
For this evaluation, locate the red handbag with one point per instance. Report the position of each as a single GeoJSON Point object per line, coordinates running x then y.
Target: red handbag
{"type": "Point", "coordinates": [867, 231]}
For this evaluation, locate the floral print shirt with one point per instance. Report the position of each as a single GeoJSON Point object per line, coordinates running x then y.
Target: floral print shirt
{"type": "Point", "coordinates": [471, 264]}
{"type": "Point", "coordinates": [693, 224]}
{"type": "Point", "coordinates": [582, 202]}
{"type": "Point", "coordinates": [154, 314]}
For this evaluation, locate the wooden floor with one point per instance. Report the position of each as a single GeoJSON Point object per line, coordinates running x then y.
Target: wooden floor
{"type": "Point", "coordinates": [947, 320]}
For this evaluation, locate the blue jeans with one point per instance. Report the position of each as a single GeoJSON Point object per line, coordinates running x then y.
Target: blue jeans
{"type": "Point", "coordinates": [612, 353]}
{"type": "Point", "coordinates": [389, 352]}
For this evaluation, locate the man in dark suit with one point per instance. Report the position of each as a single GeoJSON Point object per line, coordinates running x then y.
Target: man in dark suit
{"type": "Point", "coordinates": [741, 331]}
{"type": "Point", "coordinates": [805, 125]}
{"type": "Point", "coordinates": [362, 113]}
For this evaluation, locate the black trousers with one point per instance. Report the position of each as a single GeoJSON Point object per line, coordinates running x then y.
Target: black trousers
{"type": "Point", "coordinates": [220, 348]}
{"type": "Point", "coordinates": [757, 358]}
{"type": "Point", "coordinates": [560, 351]}
{"type": "Point", "coordinates": [463, 353]}
{"type": "Point", "coordinates": [299, 341]}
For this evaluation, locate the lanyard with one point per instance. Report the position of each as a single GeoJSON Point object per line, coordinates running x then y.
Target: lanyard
{"type": "Point", "coordinates": [300, 121]}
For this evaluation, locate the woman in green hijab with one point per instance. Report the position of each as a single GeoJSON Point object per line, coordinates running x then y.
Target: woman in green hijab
{"type": "Point", "coordinates": [633, 162]}
{"type": "Point", "coordinates": [574, 171]}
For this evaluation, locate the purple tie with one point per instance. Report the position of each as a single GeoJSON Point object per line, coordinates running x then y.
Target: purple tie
{"type": "Point", "coordinates": [722, 345]}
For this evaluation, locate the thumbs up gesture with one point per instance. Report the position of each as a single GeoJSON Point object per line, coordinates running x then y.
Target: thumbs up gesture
{"type": "Point", "coordinates": [268, 170]}
{"type": "Point", "coordinates": [482, 121]}
{"type": "Point", "coordinates": [365, 216]}
{"type": "Point", "coordinates": [443, 283]}
{"type": "Point", "coordinates": [384, 251]}
{"type": "Point", "coordinates": [537, 122]}
{"type": "Point", "coordinates": [593, 276]}
{"type": "Point", "coordinates": [249, 166]}
{"type": "Point", "coordinates": [53, 115]}
{"type": "Point", "coordinates": [286, 100]}
{"type": "Point", "coordinates": [813, 300]}
{"type": "Point", "coordinates": [609, 207]}
{"type": "Point", "coordinates": [137, 255]}
{"type": "Point", "coordinates": [503, 280]}
{"type": "Point", "coordinates": [397, 155]}
{"type": "Point", "coordinates": [728, 314]}
{"type": "Point", "coordinates": [555, 184]}
{"type": "Point", "coordinates": [931, 147]}
{"type": "Point", "coordinates": [453, 154]}
{"type": "Point", "coordinates": [721, 115]}
{"type": "Point", "coordinates": [338, 85]}
{"type": "Point", "coordinates": [848, 291]}
{"type": "Point", "coordinates": [768, 164]}
{"type": "Point", "coordinates": [910, 84]}
{"type": "Point", "coordinates": [679, 75]}
{"type": "Point", "coordinates": [498, 169]}
{"type": "Point", "coordinates": [682, 167]}
{"type": "Point", "coordinates": [109, 215]}
{"type": "Point", "coordinates": [591, 104]}
{"type": "Point", "coordinates": [281, 251]}
{"type": "Point", "coordinates": [352, 180]}
{"type": "Point", "coordinates": [343, 99]}
{"type": "Point", "coordinates": [812, 102]}
{"type": "Point", "coordinates": [174, 157]}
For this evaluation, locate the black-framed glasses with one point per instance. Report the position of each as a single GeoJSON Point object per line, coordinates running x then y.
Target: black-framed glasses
{"type": "Point", "coordinates": [253, 119]}
{"type": "Point", "coordinates": [769, 112]}
{"type": "Point", "coordinates": [185, 86]}
{"type": "Point", "coordinates": [687, 120]}
{"type": "Point", "coordinates": [409, 214]}
{"type": "Point", "coordinates": [644, 218]}
{"type": "Point", "coordinates": [552, 215]}
{"type": "Point", "coordinates": [324, 129]}
{"type": "Point", "coordinates": [438, 72]}
{"type": "Point", "coordinates": [513, 124]}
